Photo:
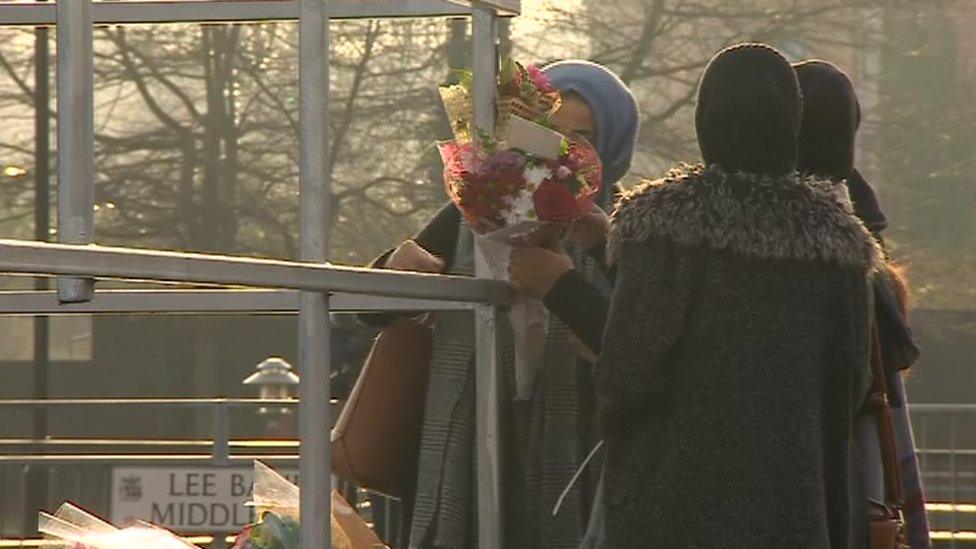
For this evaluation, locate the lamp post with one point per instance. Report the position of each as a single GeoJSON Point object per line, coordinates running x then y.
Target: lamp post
{"type": "Point", "coordinates": [276, 380]}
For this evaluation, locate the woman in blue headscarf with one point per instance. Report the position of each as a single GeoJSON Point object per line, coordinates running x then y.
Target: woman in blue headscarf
{"type": "Point", "coordinates": [596, 98]}
{"type": "Point", "coordinates": [548, 436]}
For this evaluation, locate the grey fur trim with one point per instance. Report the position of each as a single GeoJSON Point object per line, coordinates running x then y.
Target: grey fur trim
{"type": "Point", "coordinates": [784, 217]}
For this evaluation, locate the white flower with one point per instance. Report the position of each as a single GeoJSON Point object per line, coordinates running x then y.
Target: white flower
{"type": "Point", "coordinates": [520, 208]}
{"type": "Point", "coordinates": [537, 174]}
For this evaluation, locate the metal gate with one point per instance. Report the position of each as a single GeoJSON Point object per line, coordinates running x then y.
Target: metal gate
{"type": "Point", "coordinates": [320, 287]}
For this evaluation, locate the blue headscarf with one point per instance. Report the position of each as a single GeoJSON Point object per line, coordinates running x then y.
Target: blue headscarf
{"type": "Point", "coordinates": [614, 109]}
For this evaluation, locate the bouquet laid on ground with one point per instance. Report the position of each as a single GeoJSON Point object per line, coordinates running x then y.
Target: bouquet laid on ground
{"type": "Point", "coordinates": [526, 181]}
{"type": "Point", "coordinates": [276, 501]}
{"type": "Point", "coordinates": [73, 528]}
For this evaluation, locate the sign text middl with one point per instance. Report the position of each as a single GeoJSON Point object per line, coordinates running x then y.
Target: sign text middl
{"type": "Point", "coordinates": [185, 499]}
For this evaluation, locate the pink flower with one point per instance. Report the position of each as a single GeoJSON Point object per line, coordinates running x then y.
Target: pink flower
{"type": "Point", "coordinates": [504, 162]}
{"type": "Point", "coordinates": [539, 79]}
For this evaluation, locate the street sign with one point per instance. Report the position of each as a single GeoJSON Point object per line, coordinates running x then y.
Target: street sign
{"type": "Point", "coordinates": [184, 499]}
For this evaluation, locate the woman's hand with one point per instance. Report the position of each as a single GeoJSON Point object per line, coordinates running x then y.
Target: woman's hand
{"type": "Point", "coordinates": [545, 235]}
{"type": "Point", "coordinates": [410, 256]}
{"type": "Point", "coordinates": [591, 230]}
{"type": "Point", "coordinates": [533, 270]}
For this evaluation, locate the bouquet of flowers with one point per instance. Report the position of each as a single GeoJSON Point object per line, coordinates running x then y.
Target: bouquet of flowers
{"type": "Point", "coordinates": [277, 503]}
{"type": "Point", "coordinates": [73, 528]}
{"type": "Point", "coordinates": [527, 181]}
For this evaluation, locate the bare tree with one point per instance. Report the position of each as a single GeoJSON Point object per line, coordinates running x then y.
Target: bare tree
{"type": "Point", "coordinates": [660, 47]}
{"type": "Point", "coordinates": [197, 125]}
{"type": "Point", "coordinates": [197, 134]}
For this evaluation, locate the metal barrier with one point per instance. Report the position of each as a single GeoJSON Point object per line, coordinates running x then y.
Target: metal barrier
{"type": "Point", "coordinates": [68, 460]}
{"type": "Point", "coordinates": [947, 453]}
{"type": "Point", "coordinates": [946, 445]}
{"type": "Point", "coordinates": [945, 438]}
{"type": "Point", "coordinates": [79, 263]}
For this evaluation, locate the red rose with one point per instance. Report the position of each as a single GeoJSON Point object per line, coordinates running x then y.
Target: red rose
{"type": "Point", "coordinates": [555, 202]}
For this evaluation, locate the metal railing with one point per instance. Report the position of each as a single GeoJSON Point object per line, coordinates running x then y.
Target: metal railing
{"type": "Point", "coordinates": [31, 12]}
{"type": "Point", "coordinates": [945, 438]}
{"type": "Point", "coordinates": [78, 263]}
{"type": "Point", "coordinates": [67, 460]}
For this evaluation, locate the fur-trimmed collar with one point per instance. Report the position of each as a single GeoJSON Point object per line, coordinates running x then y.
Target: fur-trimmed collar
{"type": "Point", "coordinates": [785, 217]}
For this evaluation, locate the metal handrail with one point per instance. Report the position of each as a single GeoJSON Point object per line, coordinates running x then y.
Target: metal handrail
{"type": "Point", "coordinates": [39, 258]}
{"type": "Point", "coordinates": [962, 409]}
{"type": "Point", "coordinates": [230, 11]}
{"type": "Point", "coordinates": [148, 402]}
{"type": "Point", "coordinates": [196, 301]}
{"type": "Point", "coordinates": [142, 459]}
{"type": "Point", "coordinates": [149, 443]}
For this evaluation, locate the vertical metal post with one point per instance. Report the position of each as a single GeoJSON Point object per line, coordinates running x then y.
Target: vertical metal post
{"type": "Point", "coordinates": [487, 361]}
{"type": "Point", "coordinates": [313, 410]}
{"type": "Point", "coordinates": [953, 478]}
{"type": "Point", "coordinates": [3, 501]}
{"type": "Point", "coordinates": [36, 475]}
{"type": "Point", "coordinates": [922, 445]}
{"type": "Point", "coordinates": [76, 137]}
{"type": "Point", "coordinates": [388, 534]}
{"type": "Point", "coordinates": [220, 451]}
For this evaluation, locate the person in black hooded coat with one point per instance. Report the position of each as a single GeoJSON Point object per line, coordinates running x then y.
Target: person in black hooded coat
{"type": "Point", "coordinates": [831, 117]}
{"type": "Point", "coordinates": [736, 348]}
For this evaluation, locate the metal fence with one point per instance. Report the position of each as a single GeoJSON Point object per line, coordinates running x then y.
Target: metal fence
{"type": "Point", "coordinates": [312, 287]}
{"type": "Point", "coordinates": [77, 262]}
{"type": "Point", "coordinates": [945, 438]}
{"type": "Point", "coordinates": [79, 469]}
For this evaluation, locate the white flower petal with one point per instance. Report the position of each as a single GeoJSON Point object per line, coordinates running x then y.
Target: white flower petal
{"type": "Point", "coordinates": [535, 175]}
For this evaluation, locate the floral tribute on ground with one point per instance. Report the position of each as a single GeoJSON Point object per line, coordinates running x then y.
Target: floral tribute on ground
{"type": "Point", "coordinates": [74, 528]}
{"type": "Point", "coordinates": [527, 181]}
{"type": "Point", "coordinates": [276, 502]}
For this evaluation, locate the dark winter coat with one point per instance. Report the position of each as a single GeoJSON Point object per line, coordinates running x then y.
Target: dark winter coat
{"type": "Point", "coordinates": [735, 354]}
{"type": "Point", "coordinates": [831, 116]}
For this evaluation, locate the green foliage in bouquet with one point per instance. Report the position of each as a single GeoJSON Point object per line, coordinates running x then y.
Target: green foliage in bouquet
{"type": "Point", "coordinates": [521, 91]}
{"type": "Point", "coordinates": [270, 532]}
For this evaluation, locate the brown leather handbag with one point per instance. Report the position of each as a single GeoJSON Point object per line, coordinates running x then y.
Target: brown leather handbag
{"type": "Point", "coordinates": [887, 521]}
{"type": "Point", "coordinates": [377, 436]}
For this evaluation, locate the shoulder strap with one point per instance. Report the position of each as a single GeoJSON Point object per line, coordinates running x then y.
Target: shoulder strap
{"type": "Point", "coordinates": [878, 400]}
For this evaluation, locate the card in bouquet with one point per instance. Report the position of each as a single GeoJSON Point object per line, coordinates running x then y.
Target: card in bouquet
{"type": "Point", "coordinates": [534, 139]}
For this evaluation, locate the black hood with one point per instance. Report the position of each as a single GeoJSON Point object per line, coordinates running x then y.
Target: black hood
{"type": "Point", "coordinates": [749, 110]}
{"type": "Point", "coordinates": [831, 117]}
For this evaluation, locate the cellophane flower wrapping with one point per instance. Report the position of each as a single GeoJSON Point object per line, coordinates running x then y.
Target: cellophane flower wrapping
{"type": "Point", "coordinates": [74, 528]}
{"type": "Point", "coordinates": [276, 502]}
{"type": "Point", "coordinates": [525, 180]}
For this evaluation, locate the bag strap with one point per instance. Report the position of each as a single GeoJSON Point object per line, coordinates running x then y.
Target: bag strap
{"type": "Point", "coordinates": [878, 400]}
